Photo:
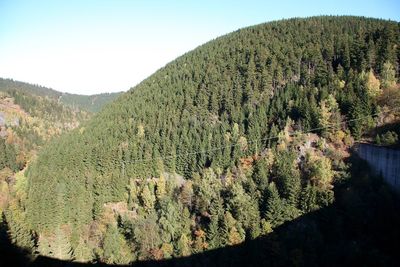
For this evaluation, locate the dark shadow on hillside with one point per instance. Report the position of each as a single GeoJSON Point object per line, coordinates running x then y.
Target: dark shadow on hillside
{"type": "Point", "coordinates": [11, 255]}
{"type": "Point", "coordinates": [394, 127]}
{"type": "Point", "coordinates": [359, 229]}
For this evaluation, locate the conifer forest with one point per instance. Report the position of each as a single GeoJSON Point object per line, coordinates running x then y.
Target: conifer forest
{"type": "Point", "coordinates": [237, 153]}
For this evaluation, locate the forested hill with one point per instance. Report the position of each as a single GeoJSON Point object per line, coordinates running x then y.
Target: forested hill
{"type": "Point", "coordinates": [213, 149]}
{"type": "Point", "coordinates": [90, 103]}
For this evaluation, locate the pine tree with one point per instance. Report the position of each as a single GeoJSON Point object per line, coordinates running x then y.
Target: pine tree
{"type": "Point", "coordinates": [115, 249]}
{"type": "Point", "coordinates": [183, 246]}
{"type": "Point", "coordinates": [232, 234]}
{"type": "Point", "coordinates": [148, 199]}
{"type": "Point", "coordinates": [82, 252]}
{"type": "Point", "coordinates": [308, 200]}
{"type": "Point", "coordinates": [275, 213]}
{"type": "Point", "coordinates": [214, 238]}
{"type": "Point", "coordinates": [160, 187]}
{"type": "Point", "coordinates": [288, 177]}
{"type": "Point", "coordinates": [133, 195]}
{"type": "Point", "coordinates": [61, 247]}
{"type": "Point", "coordinates": [273, 136]}
{"type": "Point", "coordinates": [388, 75]}
{"type": "Point", "coordinates": [56, 245]}
{"type": "Point", "coordinates": [169, 221]}
{"type": "Point", "coordinates": [260, 174]}
{"type": "Point", "coordinates": [357, 125]}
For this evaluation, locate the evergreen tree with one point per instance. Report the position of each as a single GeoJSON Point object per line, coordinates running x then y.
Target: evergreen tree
{"type": "Point", "coordinates": [214, 238]}
{"type": "Point", "coordinates": [233, 235]}
{"type": "Point", "coordinates": [82, 252]}
{"type": "Point", "coordinates": [61, 247]}
{"type": "Point", "coordinates": [308, 200]}
{"type": "Point", "coordinates": [146, 234]}
{"type": "Point", "coordinates": [169, 221]}
{"type": "Point", "coordinates": [148, 199]}
{"type": "Point", "coordinates": [260, 174]}
{"type": "Point", "coordinates": [288, 177]}
{"type": "Point", "coordinates": [275, 213]}
{"type": "Point", "coordinates": [56, 246]}
{"type": "Point", "coordinates": [116, 251]}
{"type": "Point", "coordinates": [183, 246]}
{"type": "Point", "coordinates": [388, 75]}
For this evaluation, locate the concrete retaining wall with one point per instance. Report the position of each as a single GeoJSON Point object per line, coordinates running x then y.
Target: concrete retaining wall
{"type": "Point", "coordinates": [384, 161]}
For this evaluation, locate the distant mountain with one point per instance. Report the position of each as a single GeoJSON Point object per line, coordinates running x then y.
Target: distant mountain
{"type": "Point", "coordinates": [223, 145]}
{"type": "Point", "coordinates": [35, 109]}
{"type": "Point", "coordinates": [91, 103]}
{"type": "Point", "coordinates": [33, 89]}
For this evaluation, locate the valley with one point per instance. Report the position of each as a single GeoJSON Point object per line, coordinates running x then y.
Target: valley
{"type": "Point", "coordinates": [238, 153]}
{"type": "Point", "coordinates": [30, 116]}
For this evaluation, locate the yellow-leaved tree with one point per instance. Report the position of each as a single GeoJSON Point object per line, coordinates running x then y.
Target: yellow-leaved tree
{"type": "Point", "coordinates": [373, 84]}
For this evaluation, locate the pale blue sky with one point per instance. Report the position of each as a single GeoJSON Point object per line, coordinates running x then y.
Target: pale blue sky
{"type": "Point", "coordinates": [87, 47]}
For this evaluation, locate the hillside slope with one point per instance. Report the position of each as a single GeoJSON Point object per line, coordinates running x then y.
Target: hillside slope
{"type": "Point", "coordinates": [210, 150]}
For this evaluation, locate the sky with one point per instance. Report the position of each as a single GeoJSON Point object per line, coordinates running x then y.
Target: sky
{"type": "Point", "coordinates": [88, 47]}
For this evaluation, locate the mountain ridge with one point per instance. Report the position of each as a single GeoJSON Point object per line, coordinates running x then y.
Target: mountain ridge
{"type": "Point", "coordinates": [91, 103]}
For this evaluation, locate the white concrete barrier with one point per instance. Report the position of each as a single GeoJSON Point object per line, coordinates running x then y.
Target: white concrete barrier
{"type": "Point", "coordinates": [383, 160]}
